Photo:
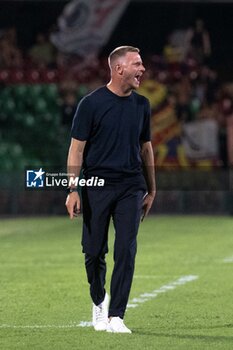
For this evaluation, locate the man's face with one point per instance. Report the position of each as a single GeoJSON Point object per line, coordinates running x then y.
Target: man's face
{"type": "Point", "coordinates": [132, 70]}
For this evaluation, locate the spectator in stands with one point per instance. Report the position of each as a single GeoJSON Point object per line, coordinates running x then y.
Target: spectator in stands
{"type": "Point", "coordinates": [183, 92]}
{"type": "Point", "coordinates": [198, 40]}
{"type": "Point", "coordinates": [225, 111]}
{"type": "Point", "coordinates": [43, 53]}
{"type": "Point", "coordinates": [171, 52]}
{"type": "Point", "coordinates": [10, 54]}
{"type": "Point", "coordinates": [213, 86]}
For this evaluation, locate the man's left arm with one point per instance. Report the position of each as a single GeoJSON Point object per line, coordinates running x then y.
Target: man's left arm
{"type": "Point", "coordinates": [147, 156]}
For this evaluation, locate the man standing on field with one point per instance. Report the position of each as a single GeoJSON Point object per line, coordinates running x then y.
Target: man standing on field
{"type": "Point", "coordinates": [111, 140]}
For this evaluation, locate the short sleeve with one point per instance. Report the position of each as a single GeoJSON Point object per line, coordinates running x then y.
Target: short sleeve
{"type": "Point", "coordinates": [82, 122]}
{"type": "Point", "coordinates": [146, 132]}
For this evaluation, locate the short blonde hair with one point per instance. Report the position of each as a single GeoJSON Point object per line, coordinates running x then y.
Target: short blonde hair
{"type": "Point", "coordinates": [120, 52]}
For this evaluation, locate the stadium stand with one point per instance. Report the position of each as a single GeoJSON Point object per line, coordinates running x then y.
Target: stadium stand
{"type": "Point", "coordinates": [38, 100]}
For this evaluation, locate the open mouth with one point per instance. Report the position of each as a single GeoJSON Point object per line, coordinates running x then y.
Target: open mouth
{"type": "Point", "coordinates": [138, 78]}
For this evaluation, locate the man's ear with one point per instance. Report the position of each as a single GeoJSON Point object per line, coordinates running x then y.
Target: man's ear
{"type": "Point", "coordinates": [119, 69]}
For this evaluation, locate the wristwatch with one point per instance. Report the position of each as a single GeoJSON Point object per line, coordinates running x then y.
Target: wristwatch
{"type": "Point", "coordinates": [71, 190]}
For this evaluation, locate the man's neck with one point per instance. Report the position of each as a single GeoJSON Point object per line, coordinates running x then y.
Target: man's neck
{"type": "Point", "coordinates": [118, 90]}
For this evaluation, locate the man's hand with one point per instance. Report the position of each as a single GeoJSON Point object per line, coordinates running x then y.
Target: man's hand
{"type": "Point", "coordinates": [147, 203]}
{"type": "Point", "coordinates": [73, 204]}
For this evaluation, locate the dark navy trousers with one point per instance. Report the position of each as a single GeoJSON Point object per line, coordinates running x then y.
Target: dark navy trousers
{"type": "Point", "coordinates": [122, 201]}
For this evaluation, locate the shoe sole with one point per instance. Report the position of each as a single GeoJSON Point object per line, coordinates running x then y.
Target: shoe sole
{"type": "Point", "coordinates": [110, 331]}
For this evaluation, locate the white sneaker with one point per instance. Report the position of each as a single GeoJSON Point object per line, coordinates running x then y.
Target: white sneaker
{"type": "Point", "coordinates": [100, 315]}
{"type": "Point", "coordinates": [116, 325]}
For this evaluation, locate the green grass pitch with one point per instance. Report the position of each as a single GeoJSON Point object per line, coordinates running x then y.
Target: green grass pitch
{"type": "Point", "coordinates": [44, 293]}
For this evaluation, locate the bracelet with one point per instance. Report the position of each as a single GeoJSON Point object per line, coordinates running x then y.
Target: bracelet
{"type": "Point", "coordinates": [71, 190]}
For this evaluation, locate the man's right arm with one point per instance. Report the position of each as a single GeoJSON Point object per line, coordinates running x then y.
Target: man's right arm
{"type": "Point", "coordinates": [74, 165]}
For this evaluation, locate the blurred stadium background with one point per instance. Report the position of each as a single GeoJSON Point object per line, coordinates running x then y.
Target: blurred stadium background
{"type": "Point", "coordinates": [54, 52]}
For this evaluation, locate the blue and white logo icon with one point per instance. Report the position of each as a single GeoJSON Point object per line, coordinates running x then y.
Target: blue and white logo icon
{"type": "Point", "coordinates": [35, 179]}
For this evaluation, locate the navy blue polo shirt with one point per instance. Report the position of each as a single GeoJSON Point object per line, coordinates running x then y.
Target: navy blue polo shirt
{"type": "Point", "coordinates": [114, 128]}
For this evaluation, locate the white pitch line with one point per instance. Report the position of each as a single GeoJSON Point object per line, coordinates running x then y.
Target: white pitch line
{"type": "Point", "coordinates": [228, 260]}
{"type": "Point", "coordinates": [135, 302]}
{"type": "Point", "coordinates": [41, 326]}
{"type": "Point", "coordinates": [146, 276]}
{"type": "Point", "coordinates": [170, 286]}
